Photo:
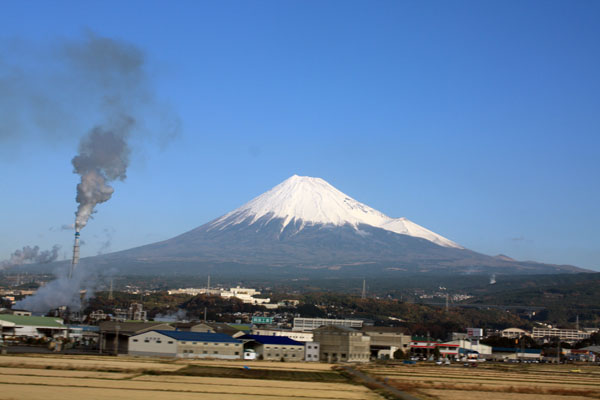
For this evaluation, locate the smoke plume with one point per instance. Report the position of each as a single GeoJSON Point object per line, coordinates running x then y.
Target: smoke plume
{"type": "Point", "coordinates": [96, 90]}
{"type": "Point", "coordinates": [103, 157]}
{"type": "Point", "coordinates": [31, 255]}
{"type": "Point", "coordinates": [116, 71]}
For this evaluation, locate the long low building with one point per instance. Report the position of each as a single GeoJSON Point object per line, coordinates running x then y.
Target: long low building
{"type": "Point", "coordinates": [294, 335]}
{"type": "Point", "coordinates": [507, 353]}
{"type": "Point", "coordinates": [31, 327]}
{"type": "Point", "coordinates": [309, 324]}
{"type": "Point", "coordinates": [563, 334]}
{"type": "Point", "coordinates": [165, 343]}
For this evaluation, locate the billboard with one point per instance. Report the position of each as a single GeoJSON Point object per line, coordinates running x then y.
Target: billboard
{"type": "Point", "coordinates": [262, 320]}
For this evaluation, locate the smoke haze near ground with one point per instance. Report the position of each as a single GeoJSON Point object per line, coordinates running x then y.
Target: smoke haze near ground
{"type": "Point", "coordinates": [63, 291]}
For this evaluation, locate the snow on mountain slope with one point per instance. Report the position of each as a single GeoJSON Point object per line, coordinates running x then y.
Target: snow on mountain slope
{"type": "Point", "coordinates": [407, 227]}
{"type": "Point", "coordinates": [313, 201]}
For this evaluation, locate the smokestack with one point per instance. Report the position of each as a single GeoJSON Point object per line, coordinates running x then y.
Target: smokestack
{"type": "Point", "coordinates": [75, 254]}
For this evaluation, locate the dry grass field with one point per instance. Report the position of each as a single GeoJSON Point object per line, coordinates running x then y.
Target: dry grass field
{"type": "Point", "coordinates": [50, 377]}
{"type": "Point", "coordinates": [492, 381]}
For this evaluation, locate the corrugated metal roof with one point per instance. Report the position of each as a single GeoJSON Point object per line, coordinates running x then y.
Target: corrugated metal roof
{"type": "Point", "coordinates": [517, 350]}
{"type": "Point", "coordinates": [198, 336]}
{"type": "Point", "coordinates": [281, 340]}
{"type": "Point", "coordinates": [49, 322]}
{"type": "Point", "coordinates": [131, 328]}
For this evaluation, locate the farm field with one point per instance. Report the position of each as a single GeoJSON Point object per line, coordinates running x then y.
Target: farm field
{"type": "Point", "coordinates": [57, 377]}
{"type": "Point", "coordinates": [492, 381]}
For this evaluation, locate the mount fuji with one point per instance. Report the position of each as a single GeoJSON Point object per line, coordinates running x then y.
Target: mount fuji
{"type": "Point", "coordinates": [303, 201]}
{"type": "Point", "coordinates": [307, 223]}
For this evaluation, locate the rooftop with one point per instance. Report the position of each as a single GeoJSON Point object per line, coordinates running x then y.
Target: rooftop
{"type": "Point", "coordinates": [50, 322]}
{"type": "Point", "coordinates": [387, 329]}
{"type": "Point", "coordinates": [264, 339]}
{"type": "Point", "coordinates": [132, 327]}
{"type": "Point", "coordinates": [512, 350]}
{"type": "Point", "coordinates": [198, 336]}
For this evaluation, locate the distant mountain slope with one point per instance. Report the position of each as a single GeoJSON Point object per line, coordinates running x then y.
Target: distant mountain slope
{"type": "Point", "coordinates": [305, 222]}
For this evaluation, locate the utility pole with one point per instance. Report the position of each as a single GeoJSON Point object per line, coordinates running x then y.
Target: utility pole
{"type": "Point", "coordinates": [117, 327]}
{"type": "Point", "coordinates": [204, 314]}
{"type": "Point", "coordinates": [446, 302]}
{"type": "Point", "coordinates": [577, 322]}
{"type": "Point", "coordinates": [364, 290]}
{"type": "Point", "coordinates": [428, 341]}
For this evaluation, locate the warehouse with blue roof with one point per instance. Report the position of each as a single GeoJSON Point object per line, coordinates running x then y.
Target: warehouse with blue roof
{"type": "Point", "coordinates": [182, 344]}
{"type": "Point", "coordinates": [274, 348]}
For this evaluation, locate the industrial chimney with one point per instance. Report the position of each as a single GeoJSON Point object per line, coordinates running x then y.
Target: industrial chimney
{"type": "Point", "coordinates": [75, 254]}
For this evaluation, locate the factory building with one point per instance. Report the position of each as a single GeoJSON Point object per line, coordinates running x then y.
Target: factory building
{"type": "Point", "coordinates": [168, 343]}
{"type": "Point", "coordinates": [275, 348]}
{"type": "Point", "coordinates": [114, 336]}
{"type": "Point", "coordinates": [341, 344]}
{"type": "Point", "coordinates": [386, 341]}
{"type": "Point", "coordinates": [508, 353]}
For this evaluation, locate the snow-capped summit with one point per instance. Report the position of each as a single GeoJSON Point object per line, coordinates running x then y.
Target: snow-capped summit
{"type": "Point", "coordinates": [304, 200]}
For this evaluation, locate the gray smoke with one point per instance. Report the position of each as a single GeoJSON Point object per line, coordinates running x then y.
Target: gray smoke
{"type": "Point", "coordinates": [31, 255]}
{"type": "Point", "coordinates": [96, 85]}
{"type": "Point", "coordinates": [105, 245]}
{"type": "Point", "coordinates": [103, 157]}
{"type": "Point", "coordinates": [179, 316]}
{"type": "Point", "coordinates": [96, 88]}
{"type": "Point", "coordinates": [115, 71]}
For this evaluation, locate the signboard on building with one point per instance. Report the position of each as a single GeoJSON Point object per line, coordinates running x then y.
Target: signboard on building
{"type": "Point", "coordinates": [476, 333]}
{"type": "Point", "coordinates": [262, 320]}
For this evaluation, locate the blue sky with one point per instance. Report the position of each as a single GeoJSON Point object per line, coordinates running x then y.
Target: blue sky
{"type": "Point", "coordinates": [477, 120]}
